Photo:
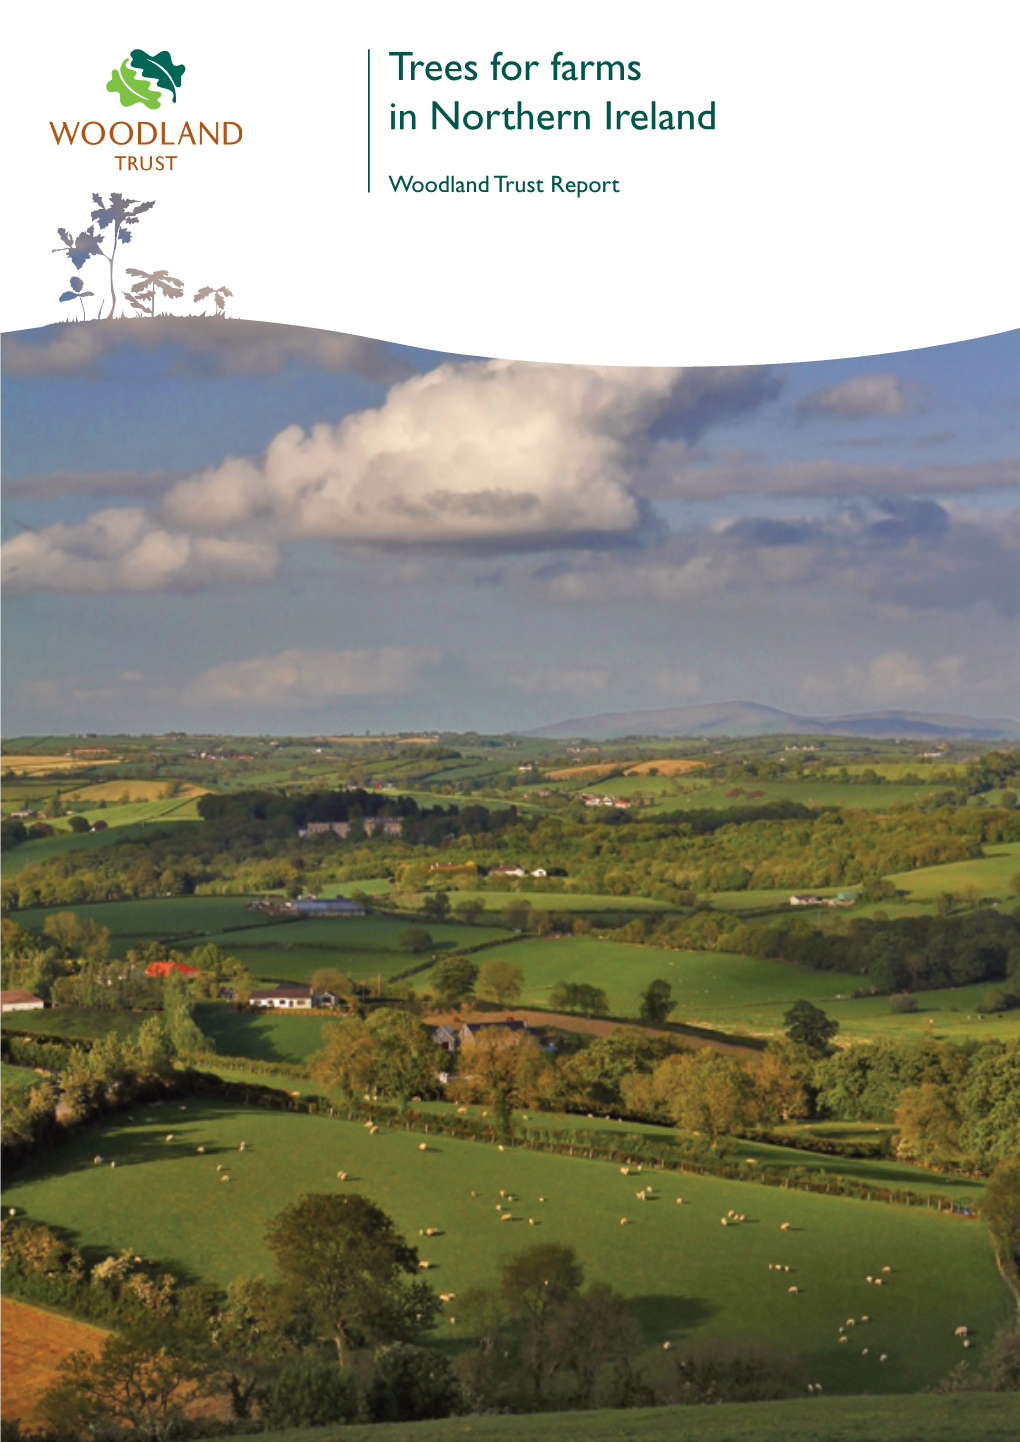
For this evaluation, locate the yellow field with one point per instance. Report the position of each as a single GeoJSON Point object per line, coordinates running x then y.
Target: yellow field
{"type": "Point", "coordinates": [668, 766]}
{"type": "Point", "coordinates": [43, 765]}
{"type": "Point", "coordinates": [584, 773]}
{"type": "Point", "coordinates": [375, 740]}
{"type": "Point", "coordinates": [132, 791]}
{"type": "Point", "coordinates": [33, 1344]}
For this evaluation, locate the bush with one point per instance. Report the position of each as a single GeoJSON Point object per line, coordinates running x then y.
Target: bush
{"type": "Point", "coordinates": [411, 1384]}
{"type": "Point", "coordinates": [903, 1003]}
{"type": "Point", "coordinates": [310, 1393]}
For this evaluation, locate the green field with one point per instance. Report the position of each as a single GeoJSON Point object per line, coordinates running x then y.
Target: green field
{"type": "Point", "coordinates": [262, 1035]}
{"type": "Point", "coordinates": [572, 901]}
{"type": "Point", "coordinates": [183, 919]}
{"type": "Point", "coordinates": [687, 1277]}
{"type": "Point", "coordinates": [18, 1078]}
{"type": "Point", "coordinates": [970, 1417]}
{"type": "Point", "coordinates": [989, 876]}
{"type": "Point", "coordinates": [708, 987]}
{"type": "Point", "coordinates": [74, 1023]}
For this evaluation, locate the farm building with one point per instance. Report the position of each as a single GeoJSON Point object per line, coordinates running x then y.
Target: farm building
{"type": "Point", "coordinates": [164, 968]}
{"type": "Point", "coordinates": [471, 1031]}
{"type": "Point", "coordinates": [446, 1038]}
{"type": "Point", "coordinates": [20, 1001]}
{"type": "Point", "coordinates": [374, 825]}
{"type": "Point", "coordinates": [805, 898]}
{"type": "Point", "coordinates": [325, 906]}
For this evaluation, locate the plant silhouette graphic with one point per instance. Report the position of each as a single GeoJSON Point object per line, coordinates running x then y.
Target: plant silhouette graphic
{"type": "Point", "coordinates": [132, 84]}
{"type": "Point", "coordinates": [120, 214]}
{"type": "Point", "coordinates": [220, 292]}
{"type": "Point", "coordinates": [144, 290]}
{"type": "Point", "coordinates": [76, 293]}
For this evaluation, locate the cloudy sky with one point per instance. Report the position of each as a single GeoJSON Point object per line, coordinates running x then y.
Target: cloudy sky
{"type": "Point", "coordinates": [232, 526]}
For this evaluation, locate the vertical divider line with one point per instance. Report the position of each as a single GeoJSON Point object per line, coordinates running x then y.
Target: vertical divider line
{"type": "Point", "coordinates": [369, 119]}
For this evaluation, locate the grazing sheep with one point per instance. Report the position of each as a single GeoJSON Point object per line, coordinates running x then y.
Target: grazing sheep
{"type": "Point", "coordinates": [878, 1281]}
{"type": "Point", "coordinates": [641, 1196]}
{"type": "Point", "coordinates": [242, 1146]}
{"type": "Point", "coordinates": [225, 1177]}
{"type": "Point", "coordinates": [850, 1322]}
{"type": "Point", "coordinates": [843, 1339]}
{"type": "Point", "coordinates": [113, 1164]}
{"type": "Point", "coordinates": [372, 1131]}
{"type": "Point", "coordinates": [461, 1111]}
{"type": "Point", "coordinates": [960, 1332]}
{"type": "Point", "coordinates": [624, 1221]}
{"type": "Point", "coordinates": [424, 1266]}
{"type": "Point", "coordinates": [770, 1267]}
{"type": "Point", "coordinates": [423, 1146]}
{"type": "Point", "coordinates": [447, 1296]}
{"type": "Point", "coordinates": [541, 1199]}
{"type": "Point", "coordinates": [531, 1221]}
{"type": "Point", "coordinates": [792, 1290]}
{"type": "Point", "coordinates": [97, 1161]}
{"type": "Point", "coordinates": [887, 1269]}
{"type": "Point", "coordinates": [501, 1147]}
{"type": "Point", "coordinates": [884, 1357]}
{"type": "Point", "coordinates": [474, 1194]}
{"type": "Point", "coordinates": [219, 1166]}
{"type": "Point", "coordinates": [341, 1176]}
{"type": "Point", "coordinates": [625, 1171]}
{"type": "Point", "coordinates": [453, 1321]}
{"type": "Point", "coordinates": [679, 1201]}
{"type": "Point", "coordinates": [811, 1388]}
{"type": "Point", "coordinates": [865, 1319]}
{"type": "Point", "coordinates": [784, 1226]}
{"type": "Point", "coordinates": [667, 1346]}
{"type": "Point", "coordinates": [869, 1279]}
{"type": "Point", "coordinates": [786, 1269]}
{"type": "Point", "coordinates": [182, 1109]}
{"type": "Point", "coordinates": [169, 1136]}
{"type": "Point", "coordinates": [12, 1211]}
{"type": "Point", "coordinates": [864, 1351]}
{"type": "Point", "coordinates": [201, 1151]}
{"type": "Point", "coordinates": [507, 1217]}
{"type": "Point", "coordinates": [819, 1387]}
{"type": "Point", "coordinates": [966, 1341]}
{"type": "Point", "coordinates": [725, 1221]}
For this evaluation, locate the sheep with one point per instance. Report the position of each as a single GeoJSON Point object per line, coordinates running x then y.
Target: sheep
{"type": "Point", "coordinates": [200, 1151]}
{"type": "Point", "coordinates": [770, 1266]}
{"type": "Point", "coordinates": [793, 1290]}
{"type": "Point", "coordinates": [97, 1161]}
{"type": "Point", "coordinates": [731, 1213]}
{"type": "Point", "coordinates": [372, 1130]}
{"type": "Point", "coordinates": [447, 1296]}
{"type": "Point", "coordinates": [818, 1387]}
{"type": "Point", "coordinates": [531, 1222]}
{"type": "Point", "coordinates": [884, 1357]}
{"type": "Point", "coordinates": [625, 1171]}
{"type": "Point", "coordinates": [242, 1146]}
{"type": "Point", "coordinates": [843, 1339]}
{"type": "Point", "coordinates": [341, 1176]}
{"type": "Point", "coordinates": [507, 1217]}
{"type": "Point", "coordinates": [784, 1226]}
{"type": "Point", "coordinates": [423, 1146]}
{"type": "Point", "coordinates": [887, 1269]}
{"type": "Point", "coordinates": [423, 1266]}
{"type": "Point", "coordinates": [725, 1221]}
{"type": "Point", "coordinates": [641, 1196]}
{"type": "Point", "coordinates": [12, 1211]}
{"type": "Point", "coordinates": [182, 1109]}
{"type": "Point", "coordinates": [869, 1279]}
{"type": "Point", "coordinates": [864, 1351]}
{"type": "Point", "coordinates": [624, 1221]}
{"type": "Point", "coordinates": [960, 1332]}
{"type": "Point", "coordinates": [225, 1177]}
{"type": "Point", "coordinates": [113, 1164]}
{"type": "Point", "coordinates": [966, 1341]}
{"type": "Point", "coordinates": [786, 1269]}
{"type": "Point", "coordinates": [679, 1201]}
{"type": "Point", "coordinates": [461, 1111]}
{"type": "Point", "coordinates": [865, 1319]}
{"type": "Point", "coordinates": [878, 1281]}
{"type": "Point", "coordinates": [811, 1388]}
{"type": "Point", "coordinates": [219, 1166]}
{"type": "Point", "coordinates": [667, 1346]}
{"type": "Point", "coordinates": [850, 1322]}
{"type": "Point", "coordinates": [453, 1321]}
{"type": "Point", "coordinates": [541, 1199]}
{"type": "Point", "coordinates": [169, 1136]}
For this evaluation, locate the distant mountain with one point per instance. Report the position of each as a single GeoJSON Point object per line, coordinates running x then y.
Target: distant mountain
{"type": "Point", "coordinates": [746, 718]}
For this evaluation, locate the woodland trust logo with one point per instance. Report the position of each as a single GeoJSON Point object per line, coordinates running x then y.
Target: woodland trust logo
{"type": "Point", "coordinates": [131, 81]}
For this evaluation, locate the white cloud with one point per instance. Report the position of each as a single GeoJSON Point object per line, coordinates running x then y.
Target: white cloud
{"type": "Point", "coordinates": [862, 397]}
{"type": "Point", "coordinates": [892, 678]}
{"type": "Point", "coordinates": [120, 549]}
{"type": "Point", "coordinates": [306, 677]}
{"type": "Point", "coordinates": [493, 455]}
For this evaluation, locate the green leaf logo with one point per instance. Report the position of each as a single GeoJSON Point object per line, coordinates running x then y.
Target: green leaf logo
{"type": "Point", "coordinates": [160, 68]}
{"type": "Point", "coordinates": [131, 88]}
{"type": "Point", "coordinates": [132, 84]}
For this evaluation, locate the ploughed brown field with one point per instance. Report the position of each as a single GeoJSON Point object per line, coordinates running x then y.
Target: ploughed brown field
{"type": "Point", "coordinates": [33, 1343]}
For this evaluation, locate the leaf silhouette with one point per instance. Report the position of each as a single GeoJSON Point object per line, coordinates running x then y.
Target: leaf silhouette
{"type": "Point", "coordinates": [76, 282]}
{"type": "Point", "coordinates": [161, 68]}
{"type": "Point", "coordinates": [78, 251]}
{"type": "Point", "coordinates": [132, 90]}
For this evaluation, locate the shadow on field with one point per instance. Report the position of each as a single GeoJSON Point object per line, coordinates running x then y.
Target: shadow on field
{"type": "Point", "coordinates": [668, 1318]}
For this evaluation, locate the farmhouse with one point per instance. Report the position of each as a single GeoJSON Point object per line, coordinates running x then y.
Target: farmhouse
{"type": "Point", "coordinates": [20, 1001]}
{"type": "Point", "coordinates": [289, 996]}
{"type": "Point", "coordinates": [805, 898]}
{"type": "Point", "coordinates": [512, 870]}
{"type": "Point", "coordinates": [444, 1037]}
{"type": "Point", "coordinates": [471, 1032]}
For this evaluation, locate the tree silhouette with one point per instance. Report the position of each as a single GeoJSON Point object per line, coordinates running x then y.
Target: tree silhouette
{"type": "Point", "coordinates": [119, 214]}
{"type": "Point", "coordinates": [76, 293]}
{"type": "Point", "coordinates": [220, 292]}
{"type": "Point", "coordinates": [144, 290]}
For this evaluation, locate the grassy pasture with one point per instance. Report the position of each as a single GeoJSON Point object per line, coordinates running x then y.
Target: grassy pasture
{"type": "Point", "coordinates": [132, 791]}
{"type": "Point", "coordinates": [26, 764]}
{"type": "Point", "coordinates": [583, 901]}
{"type": "Point", "coordinates": [990, 875]}
{"type": "Point", "coordinates": [809, 792]}
{"type": "Point", "coordinates": [262, 1035]}
{"type": "Point", "coordinates": [75, 1023]}
{"type": "Point", "coordinates": [194, 918]}
{"type": "Point", "coordinates": [124, 823]}
{"type": "Point", "coordinates": [688, 1277]}
{"type": "Point", "coordinates": [975, 1417]}
{"type": "Point", "coordinates": [711, 987]}
{"type": "Point", "coordinates": [18, 1078]}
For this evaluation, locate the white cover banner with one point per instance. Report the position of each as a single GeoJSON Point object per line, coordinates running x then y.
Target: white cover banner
{"type": "Point", "coordinates": [664, 184]}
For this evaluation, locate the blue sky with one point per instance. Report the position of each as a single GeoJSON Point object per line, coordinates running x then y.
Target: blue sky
{"type": "Point", "coordinates": [223, 525]}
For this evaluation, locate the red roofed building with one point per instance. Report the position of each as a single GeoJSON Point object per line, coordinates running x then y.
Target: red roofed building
{"type": "Point", "coordinates": [164, 968]}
